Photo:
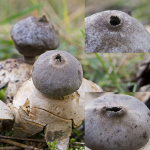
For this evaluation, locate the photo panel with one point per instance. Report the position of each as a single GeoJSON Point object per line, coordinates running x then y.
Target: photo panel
{"type": "Point", "coordinates": [117, 121]}
{"type": "Point", "coordinates": [42, 41]}
{"type": "Point", "coordinates": [74, 74]}
{"type": "Point", "coordinates": [116, 27]}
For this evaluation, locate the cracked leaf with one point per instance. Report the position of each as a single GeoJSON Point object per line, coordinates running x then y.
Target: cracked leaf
{"type": "Point", "coordinates": [5, 112]}
{"type": "Point", "coordinates": [13, 72]}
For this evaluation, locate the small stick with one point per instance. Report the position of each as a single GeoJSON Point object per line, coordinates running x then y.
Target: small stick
{"type": "Point", "coordinates": [74, 146]}
{"type": "Point", "coordinates": [10, 148]}
{"type": "Point", "coordinates": [39, 145]}
{"type": "Point", "coordinates": [23, 139]}
{"type": "Point", "coordinates": [78, 143]}
{"type": "Point", "coordinates": [16, 144]}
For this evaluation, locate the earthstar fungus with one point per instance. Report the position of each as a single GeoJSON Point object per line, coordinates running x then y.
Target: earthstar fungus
{"type": "Point", "coordinates": [41, 108]}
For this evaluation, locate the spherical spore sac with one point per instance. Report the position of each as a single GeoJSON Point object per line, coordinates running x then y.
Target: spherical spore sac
{"type": "Point", "coordinates": [33, 36]}
{"type": "Point", "coordinates": [116, 122]}
{"type": "Point", "coordinates": [115, 31]}
{"type": "Point", "coordinates": [57, 73]}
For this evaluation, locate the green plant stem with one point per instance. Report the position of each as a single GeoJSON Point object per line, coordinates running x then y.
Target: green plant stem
{"type": "Point", "coordinates": [115, 77]}
{"type": "Point", "coordinates": [111, 77]}
{"type": "Point", "coordinates": [21, 13]}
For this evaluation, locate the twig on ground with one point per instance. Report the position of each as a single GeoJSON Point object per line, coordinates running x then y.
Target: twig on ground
{"type": "Point", "coordinates": [10, 148]}
{"type": "Point", "coordinates": [23, 139]}
{"type": "Point", "coordinates": [78, 143]}
{"type": "Point", "coordinates": [16, 144]}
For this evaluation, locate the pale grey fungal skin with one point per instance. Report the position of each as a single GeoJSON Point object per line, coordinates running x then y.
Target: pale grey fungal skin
{"type": "Point", "coordinates": [33, 36]}
{"type": "Point", "coordinates": [57, 73]}
{"type": "Point", "coordinates": [116, 122]}
{"type": "Point", "coordinates": [114, 31]}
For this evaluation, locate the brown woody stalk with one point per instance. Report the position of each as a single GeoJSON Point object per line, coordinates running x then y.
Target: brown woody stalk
{"type": "Point", "coordinates": [23, 139]}
{"type": "Point", "coordinates": [10, 148]}
{"type": "Point", "coordinates": [16, 144]}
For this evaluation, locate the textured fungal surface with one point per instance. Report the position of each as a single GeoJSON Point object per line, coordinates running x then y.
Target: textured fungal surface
{"type": "Point", "coordinates": [116, 122]}
{"type": "Point", "coordinates": [57, 73]}
{"type": "Point", "coordinates": [13, 72]}
{"type": "Point", "coordinates": [88, 86]}
{"type": "Point", "coordinates": [115, 32]}
{"type": "Point", "coordinates": [146, 147]}
{"type": "Point", "coordinates": [33, 111]}
{"type": "Point", "coordinates": [33, 36]}
{"type": "Point", "coordinates": [5, 112]}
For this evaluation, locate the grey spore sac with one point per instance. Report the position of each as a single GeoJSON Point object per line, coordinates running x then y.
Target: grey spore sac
{"type": "Point", "coordinates": [33, 36]}
{"type": "Point", "coordinates": [114, 31]}
{"type": "Point", "coordinates": [116, 122]}
{"type": "Point", "coordinates": [57, 73]}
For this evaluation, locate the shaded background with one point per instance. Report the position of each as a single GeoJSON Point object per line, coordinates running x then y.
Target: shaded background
{"type": "Point", "coordinates": [139, 9]}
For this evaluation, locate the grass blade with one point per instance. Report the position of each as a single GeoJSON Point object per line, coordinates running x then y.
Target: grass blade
{"type": "Point", "coordinates": [21, 13]}
{"type": "Point", "coordinates": [65, 13]}
{"type": "Point", "coordinates": [111, 76]}
{"type": "Point", "coordinates": [83, 32]}
{"type": "Point", "coordinates": [135, 87]}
